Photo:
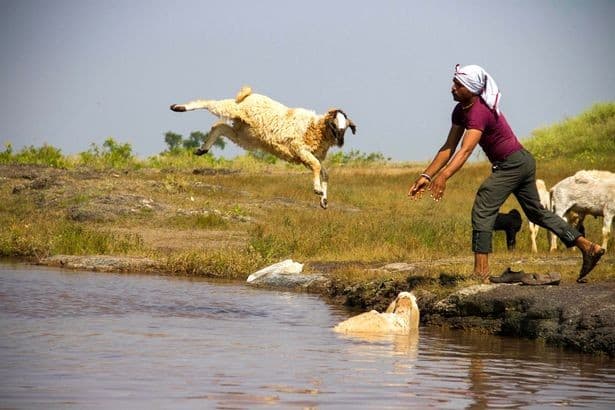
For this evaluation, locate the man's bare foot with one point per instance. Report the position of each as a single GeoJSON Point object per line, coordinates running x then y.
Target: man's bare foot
{"type": "Point", "coordinates": [482, 277]}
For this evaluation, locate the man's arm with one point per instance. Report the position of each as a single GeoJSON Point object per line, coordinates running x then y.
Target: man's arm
{"type": "Point", "coordinates": [441, 159]}
{"type": "Point", "coordinates": [469, 142]}
{"type": "Point", "coordinates": [446, 151]}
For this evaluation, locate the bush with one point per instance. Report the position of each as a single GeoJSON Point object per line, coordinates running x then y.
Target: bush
{"type": "Point", "coordinates": [45, 155]}
{"type": "Point", "coordinates": [111, 155]}
{"type": "Point", "coordinates": [356, 157]}
{"type": "Point", "coordinates": [182, 158]}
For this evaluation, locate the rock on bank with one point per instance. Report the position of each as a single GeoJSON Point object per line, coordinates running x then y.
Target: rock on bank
{"type": "Point", "coordinates": [581, 317]}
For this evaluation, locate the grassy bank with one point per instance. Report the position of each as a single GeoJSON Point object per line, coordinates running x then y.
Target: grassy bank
{"type": "Point", "coordinates": [213, 217]}
{"type": "Point", "coordinates": [231, 224]}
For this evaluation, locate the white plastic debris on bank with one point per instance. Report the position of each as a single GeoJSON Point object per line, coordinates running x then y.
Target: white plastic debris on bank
{"type": "Point", "coordinates": [286, 267]}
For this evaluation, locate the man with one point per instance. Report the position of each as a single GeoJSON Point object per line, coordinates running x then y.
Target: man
{"type": "Point", "coordinates": [477, 119]}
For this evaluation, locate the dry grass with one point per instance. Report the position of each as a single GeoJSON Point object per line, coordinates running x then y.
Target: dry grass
{"type": "Point", "coordinates": [231, 223]}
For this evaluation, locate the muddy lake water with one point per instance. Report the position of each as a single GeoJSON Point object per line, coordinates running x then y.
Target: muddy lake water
{"type": "Point", "coordinates": [84, 340]}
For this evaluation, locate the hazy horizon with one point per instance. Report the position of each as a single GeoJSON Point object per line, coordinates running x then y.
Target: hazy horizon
{"type": "Point", "coordinates": [75, 73]}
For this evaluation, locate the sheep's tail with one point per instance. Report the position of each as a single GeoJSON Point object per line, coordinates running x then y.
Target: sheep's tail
{"type": "Point", "coordinates": [243, 93]}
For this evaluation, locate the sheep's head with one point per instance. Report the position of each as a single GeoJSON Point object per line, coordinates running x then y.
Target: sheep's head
{"type": "Point", "coordinates": [405, 305]}
{"type": "Point", "coordinates": [337, 122]}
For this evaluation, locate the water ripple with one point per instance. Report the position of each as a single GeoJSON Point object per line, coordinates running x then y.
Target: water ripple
{"type": "Point", "coordinates": [87, 340]}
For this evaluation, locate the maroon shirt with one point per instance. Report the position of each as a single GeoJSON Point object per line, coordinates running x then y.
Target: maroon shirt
{"type": "Point", "coordinates": [498, 140]}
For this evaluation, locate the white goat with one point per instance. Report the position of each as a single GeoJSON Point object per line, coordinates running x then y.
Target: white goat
{"type": "Point", "coordinates": [254, 121]}
{"type": "Point", "coordinates": [545, 201]}
{"type": "Point", "coordinates": [586, 193]}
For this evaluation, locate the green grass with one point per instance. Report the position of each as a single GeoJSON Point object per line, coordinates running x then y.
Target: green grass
{"type": "Point", "coordinates": [199, 221]}
{"type": "Point", "coordinates": [587, 139]}
{"type": "Point", "coordinates": [75, 239]}
{"type": "Point", "coordinates": [40, 238]}
{"type": "Point", "coordinates": [228, 264]}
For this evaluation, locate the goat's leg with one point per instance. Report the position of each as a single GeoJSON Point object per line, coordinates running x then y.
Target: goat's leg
{"type": "Point", "coordinates": [578, 223]}
{"type": "Point", "coordinates": [576, 220]}
{"type": "Point", "coordinates": [222, 108]}
{"type": "Point", "coordinates": [554, 237]}
{"type": "Point", "coordinates": [581, 224]}
{"type": "Point", "coordinates": [533, 234]}
{"type": "Point", "coordinates": [606, 227]}
{"type": "Point", "coordinates": [218, 130]}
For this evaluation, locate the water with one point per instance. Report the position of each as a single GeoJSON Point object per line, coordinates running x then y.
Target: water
{"type": "Point", "coordinates": [96, 341]}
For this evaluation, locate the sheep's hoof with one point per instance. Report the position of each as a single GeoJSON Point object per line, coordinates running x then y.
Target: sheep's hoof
{"type": "Point", "coordinates": [200, 151]}
{"type": "Point", "coordinates": [323, 203]}
{"type": "Point", "coordinates": [178, 108]}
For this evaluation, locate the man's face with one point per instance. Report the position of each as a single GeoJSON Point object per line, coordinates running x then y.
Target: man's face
{"type": "Point", "coordinates": [460, 92]}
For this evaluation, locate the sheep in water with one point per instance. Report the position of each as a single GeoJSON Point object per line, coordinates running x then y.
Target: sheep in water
{"type": "Point", "coordinates": [255, 121]}
{"type": "Point", "coordinates": [401, 317]}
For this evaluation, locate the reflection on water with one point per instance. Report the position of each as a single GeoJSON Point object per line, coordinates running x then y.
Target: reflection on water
{"type": "Point", "coordinates": [86, 340]}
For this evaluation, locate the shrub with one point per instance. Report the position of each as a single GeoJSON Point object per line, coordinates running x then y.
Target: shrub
{"type": "Point", "coordinates": [356, 157]}
{"type": "Point", "coordinates": [111, 155]}
{"type": "Point", "coordinates": [45, 155]}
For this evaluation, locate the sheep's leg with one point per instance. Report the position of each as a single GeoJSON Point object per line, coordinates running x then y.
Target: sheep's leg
{"type": "Point", "coordinates": [309, 160]}
{"type": "Point", "coordinates": [220, 129]}
{"type": "Point", "coordinates": [222, 108]}
{"type": "Point", "coordinates": [324, 175]}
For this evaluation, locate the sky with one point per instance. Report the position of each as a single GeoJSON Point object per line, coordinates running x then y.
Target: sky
{"type": "Point", "coordinates": [76, 72]}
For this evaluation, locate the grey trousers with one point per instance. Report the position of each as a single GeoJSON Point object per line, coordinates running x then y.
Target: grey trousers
{"type": "Point", "coordinates": [515, 175]}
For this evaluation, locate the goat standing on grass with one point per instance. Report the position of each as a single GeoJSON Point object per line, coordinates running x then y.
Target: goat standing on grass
{"type": "Point", "coordinates": [572, 217]}
{"type": "Point", "coordinates": [297, 135]}
{"type": "Point", "coordinates": [586, 193]}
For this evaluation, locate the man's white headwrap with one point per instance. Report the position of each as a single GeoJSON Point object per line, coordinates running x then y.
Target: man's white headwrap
{"type": "Point", "coordinates": [479, 82]}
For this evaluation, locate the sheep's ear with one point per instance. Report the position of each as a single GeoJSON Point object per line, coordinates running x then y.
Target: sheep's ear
{"type": "Point", "coordinates": [352, 126]}
{"type": "Point", "coordinates": [392, 306]}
